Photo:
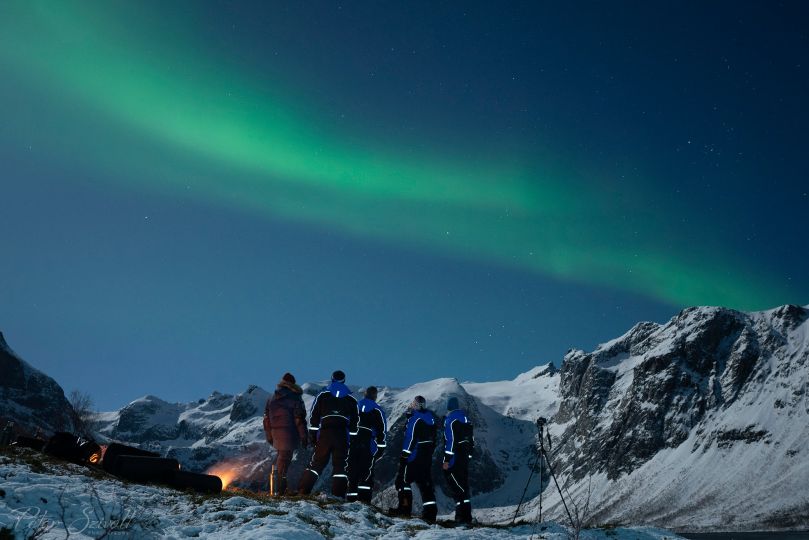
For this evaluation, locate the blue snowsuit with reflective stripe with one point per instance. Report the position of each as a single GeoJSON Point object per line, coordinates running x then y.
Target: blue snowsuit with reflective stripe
{"type": "Point", "coordinates": [332, 420]}
{"type": "Point", "coordinates": [458, 442]}
{"type": "Point", "coordinates": [416, 464]}
{"type": "Point", "coordinates": [367, 447]}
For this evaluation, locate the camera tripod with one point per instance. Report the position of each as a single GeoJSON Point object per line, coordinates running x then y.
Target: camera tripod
{"type": "Point", "coordinates": [541, 454]}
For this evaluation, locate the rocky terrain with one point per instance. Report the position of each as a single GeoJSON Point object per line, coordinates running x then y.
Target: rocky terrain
{"type": "Point", "coordinates": [29, 398]}
{"type": "Point", "coordinates": [697, 423]}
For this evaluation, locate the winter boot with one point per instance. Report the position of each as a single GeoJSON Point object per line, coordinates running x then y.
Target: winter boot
{"type": "Point", "coordinates": [339, 485]}
{"type": "Point", "coordinates": [463, 513]}
{"type": "Point", "coordinates": [307, 482]}
{"type": "Point", "coordinates": [282, 486]}
{"type": "Point", "coordinates": [405, 504]}
{"type": "Point", "coordinates": [364, 494]}
{"type": "Point", "coordinates": [429, 511]}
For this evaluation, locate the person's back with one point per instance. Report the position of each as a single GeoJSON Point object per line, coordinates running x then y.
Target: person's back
{"type": "Point", "coordinates": [416, 461]}
{"type": "Point", "coordinates": [288, 418]}
{"type": "Point", "coordinates": [332, 421]}
{"type": "Point", "coordinates": [335, 409]}
{"type": "Point", "coordinates": [285, 425]}
{"type": "Point", "coordinates": [367, 447]}
{"type": "Point", "coordinates": [420, 435]}
{"type": "Point", "coordinates": [458, 445]}
{"type": "Point", "coordinates": [373, 424]}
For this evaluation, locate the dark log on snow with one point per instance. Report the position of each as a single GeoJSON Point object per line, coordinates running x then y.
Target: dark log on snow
{"type": "Point", "coordinates": [30, 442]}
{"type": "Point", "coordinates": [71, 447]}
{"type": "Point", "coordinates": [115, 450]}
{"type": "Point", "coordinates": [147, 468]}
{"type": "Point", "coordinates": [202, 483]}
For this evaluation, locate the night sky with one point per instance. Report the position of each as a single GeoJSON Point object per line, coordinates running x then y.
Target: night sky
{"type": "Point", "coordinates": [203, 195]}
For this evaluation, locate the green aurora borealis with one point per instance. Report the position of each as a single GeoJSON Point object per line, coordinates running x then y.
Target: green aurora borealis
{"type": "Point", "coordinates": [153, 115]}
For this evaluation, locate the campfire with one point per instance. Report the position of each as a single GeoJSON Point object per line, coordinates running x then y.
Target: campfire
{"type": "Point", "coordinates": [245, 471]}
{"type": "Point", "coordinates": [96, 457]}
{"type": "Point", "coordinates": [226, 472]}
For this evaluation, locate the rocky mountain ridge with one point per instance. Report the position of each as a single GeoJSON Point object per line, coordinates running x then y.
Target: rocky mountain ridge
{"type": "Point", "coordinates": [708, 411]}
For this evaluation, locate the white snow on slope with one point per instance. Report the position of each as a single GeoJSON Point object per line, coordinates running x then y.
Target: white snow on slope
{"type": "Point", "coordinates": [528, 396]}
{"type": "Point", "coordinates": [64, 501]}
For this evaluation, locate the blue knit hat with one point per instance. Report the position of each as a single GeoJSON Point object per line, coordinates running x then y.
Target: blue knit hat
{"type": "Point", "coordinates": [452, 404]}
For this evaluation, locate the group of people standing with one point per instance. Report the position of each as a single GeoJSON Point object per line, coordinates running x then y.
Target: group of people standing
{"type": "Point", "coordinates": [354, 435]}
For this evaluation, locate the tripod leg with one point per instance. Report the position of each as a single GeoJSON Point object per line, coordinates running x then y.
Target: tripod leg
{"type": "Point", "coordinates": [555, 481]}
{"type": "Point", "coordinates": [540, 489]}
{"type": "Point", "coordinates": [527, 483]}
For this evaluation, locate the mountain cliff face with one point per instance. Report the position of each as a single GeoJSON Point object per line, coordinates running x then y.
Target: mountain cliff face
{"type": "Point", "coordinates": [708, 413]}
{"type": "Point", "coordinates": [29, 398]}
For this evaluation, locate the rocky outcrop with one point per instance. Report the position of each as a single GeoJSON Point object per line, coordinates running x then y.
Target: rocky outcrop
{"type": "Point", "coordinates": [681, 408]}
{"type": "Point", "coordinates": [646, 390]}
{"type": "Point", "coordinates": [29, 398]}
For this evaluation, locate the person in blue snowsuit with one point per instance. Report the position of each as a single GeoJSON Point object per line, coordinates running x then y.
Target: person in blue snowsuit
{"type": "Point", "coordinates": [416, 461]}
{"type": "Point", "coordinates": [366, 448]}
{"type": "Point", "coordinates": [458, 444]}
{"type": "Point", "coordinates": [285, 427]}
{"type": "Point", "coordinates": [332, 421]}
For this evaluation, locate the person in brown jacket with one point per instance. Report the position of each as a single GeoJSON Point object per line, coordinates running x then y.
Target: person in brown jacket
{"type": "Point", "coordinates": [285, 427]}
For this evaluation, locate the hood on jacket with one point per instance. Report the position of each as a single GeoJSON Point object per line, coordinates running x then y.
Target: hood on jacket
{"type": "Point", "coordinates": [289, 386]}
{"type": "Point", "coordinates": [338, 389]}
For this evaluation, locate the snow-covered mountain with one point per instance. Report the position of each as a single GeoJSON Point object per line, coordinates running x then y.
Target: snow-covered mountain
{"type": "Point", "coordinates": [199, 434]}
{"type": "Point", "coordinates": [28, 397]}
{"type": "Point", "coordinates": [696, 423]}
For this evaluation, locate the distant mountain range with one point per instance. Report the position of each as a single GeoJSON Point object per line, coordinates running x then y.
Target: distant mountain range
{"type": "Point", "coordinates": [699, 423]}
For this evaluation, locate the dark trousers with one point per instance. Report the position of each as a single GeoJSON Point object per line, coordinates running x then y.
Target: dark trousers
{"type": "Point", "coordinates": [331, 443]}
{"type": "Point", "coordinates": [279, 472]}
{"type": "Point", "coordinates": [360, 472]}
{"type": "Point", "coordinates": [419, 471]}
{"type": "Point", "coordinates": [457, 478]}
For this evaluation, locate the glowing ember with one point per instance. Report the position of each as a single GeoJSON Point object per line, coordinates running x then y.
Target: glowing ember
{"type": "Point", "coordinates": [227, 473]}
{"type": "Point", "coordinates": [98, 456]}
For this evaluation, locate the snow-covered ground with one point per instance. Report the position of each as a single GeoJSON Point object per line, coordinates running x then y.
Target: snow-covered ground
{"type": "Point", "coordinates": [46, 499]}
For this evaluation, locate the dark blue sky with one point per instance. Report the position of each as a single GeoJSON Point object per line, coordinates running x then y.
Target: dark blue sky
{"type": "Point", "coordinates": [658, 155]}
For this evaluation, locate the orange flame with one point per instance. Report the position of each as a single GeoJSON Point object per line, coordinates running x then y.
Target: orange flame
{"type": "Point", "coordinates": [226, 473]}
{"type": "Point", "coordinates": [98, 456]}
